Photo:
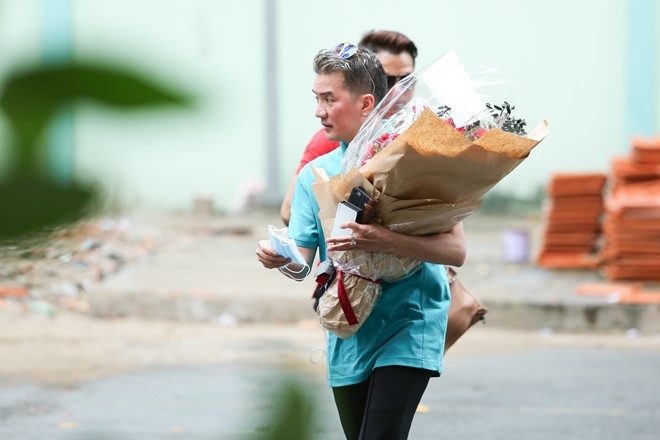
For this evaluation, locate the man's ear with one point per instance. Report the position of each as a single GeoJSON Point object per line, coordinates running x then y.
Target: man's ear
{"type": "Point", "coordinates": [368, 103]}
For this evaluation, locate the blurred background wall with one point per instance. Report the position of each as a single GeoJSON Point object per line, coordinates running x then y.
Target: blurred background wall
{"type": "Point", "coordinates": [589, 67]}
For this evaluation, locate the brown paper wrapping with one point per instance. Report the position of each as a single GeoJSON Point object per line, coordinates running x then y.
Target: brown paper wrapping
{"type": "Point", "coordinates": [439, 173]}
{"type": "Point", "coordinates": [426, 181]}
{"type": "Point", "coordinates": [363, 294]}
{"type": "Point", "coordinates": [331, 313]}
{"type": "Point", "coordinates": [329, 191]}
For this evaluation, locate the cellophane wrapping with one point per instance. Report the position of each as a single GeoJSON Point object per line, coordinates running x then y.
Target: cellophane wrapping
{"type": "Point", "coordinates": [428, 153]}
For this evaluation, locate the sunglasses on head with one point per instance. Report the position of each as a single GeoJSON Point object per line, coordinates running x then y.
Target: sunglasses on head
{"type": "Point", "coordinates": [347, 50]}
{"type": "Point", "coordinates": [393, 79]}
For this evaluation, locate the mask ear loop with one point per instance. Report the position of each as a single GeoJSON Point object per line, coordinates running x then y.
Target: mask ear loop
{"type": "Point", "coordinates": [316, 355]}
{"type": "Point", "coordinates": [285, 269]}
{"type": "Point", "coordinates": [288, 272]}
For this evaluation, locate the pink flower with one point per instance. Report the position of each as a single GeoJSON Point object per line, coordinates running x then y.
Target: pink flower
{"type": "Point", "coordinates": [377, 145]}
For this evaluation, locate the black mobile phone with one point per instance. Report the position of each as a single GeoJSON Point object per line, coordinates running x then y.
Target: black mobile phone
{"type": "Point", "coordinates": [359, 198]}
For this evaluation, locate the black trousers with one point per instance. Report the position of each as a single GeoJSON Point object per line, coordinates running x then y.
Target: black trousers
{"type": "Point", "coordinates": [383, 406]}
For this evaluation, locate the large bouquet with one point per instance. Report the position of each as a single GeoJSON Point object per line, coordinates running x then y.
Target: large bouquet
{"type": "Point", "coordinates": [428, 153]}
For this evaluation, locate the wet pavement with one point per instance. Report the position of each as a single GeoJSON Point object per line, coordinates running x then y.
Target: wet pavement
{"type": "Point", "coordinates": [541, 392]}
{"type": "Point", "coordinates": [186, 336]}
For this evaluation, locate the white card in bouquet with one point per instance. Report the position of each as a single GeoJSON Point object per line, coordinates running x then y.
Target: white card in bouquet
{"type": "Point", "coordinates": [345, 213]}
{"type": "Point", "coordinates": [451, 83]}
{"type": "Point", "coordinates": [284, 245]}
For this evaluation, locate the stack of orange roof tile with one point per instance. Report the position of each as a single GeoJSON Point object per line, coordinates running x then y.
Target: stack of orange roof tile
{"type": "Point", "coordinates": [646, 150]}
{"type": "Point", "coordinates": [573, 221]}
{"type": "Point", "coordinates": [624, 293]}
{"type": "Point", "coordinates": [643, 165]}
{"type": "Point", "coordinates": [632, 225]}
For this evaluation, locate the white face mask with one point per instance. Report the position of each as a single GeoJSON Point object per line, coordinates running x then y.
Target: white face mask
{"type": "Point", "coordinates": [286, 247]}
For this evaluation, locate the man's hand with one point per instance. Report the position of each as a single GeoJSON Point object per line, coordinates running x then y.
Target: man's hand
{"type": "Point", "coordinates": [371, 238]}
{"type": "Point", "coordinates": [268, 257]}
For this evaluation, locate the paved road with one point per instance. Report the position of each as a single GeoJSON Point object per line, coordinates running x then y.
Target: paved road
{"type": "Point", "coordinates": [148, 380]}
{"type": "Point", "coordinates": [537, 393]}
{"type": "Point", "coordinates": [551, 393]}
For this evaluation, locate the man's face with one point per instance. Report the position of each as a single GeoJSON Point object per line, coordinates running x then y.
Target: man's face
{"type": "Point", "coordinates": [340, 113]}
{"type": "Point", "coordinates": [396, 67]}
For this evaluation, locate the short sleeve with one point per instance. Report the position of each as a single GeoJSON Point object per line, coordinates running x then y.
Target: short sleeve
{"type": "Point", "coordinates": [303, 227]}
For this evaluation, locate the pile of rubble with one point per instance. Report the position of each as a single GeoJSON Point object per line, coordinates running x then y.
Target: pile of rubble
{"type": "Point", "coordinates": [56, 270]}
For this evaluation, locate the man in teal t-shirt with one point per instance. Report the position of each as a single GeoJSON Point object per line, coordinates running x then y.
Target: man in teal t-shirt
{"type": "Point", "coordinates": [378, 375]}
{"type": "Point", "coordinates": [407, 324]}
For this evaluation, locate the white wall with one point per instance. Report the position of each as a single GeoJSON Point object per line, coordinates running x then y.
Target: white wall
{"type": "Point", "coordinates": [564, 59]}
{"type": "Point", "coordinates": [211, 48]}
{"type": "Point", "coordinates": [564, 62]}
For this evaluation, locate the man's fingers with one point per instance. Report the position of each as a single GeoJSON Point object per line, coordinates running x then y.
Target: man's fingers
{"type": "Point", "coordinates": [264, 248]}
{"type": "Point", "coordinates": [273, 263]}
{"type": "Point", "coordinates": [268, 257]}
{"type": "Point", "coordinates": [350, 225]}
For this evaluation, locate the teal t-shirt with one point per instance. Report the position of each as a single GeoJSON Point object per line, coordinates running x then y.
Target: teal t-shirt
{"type": "Point", "coordinates": [408, 323]}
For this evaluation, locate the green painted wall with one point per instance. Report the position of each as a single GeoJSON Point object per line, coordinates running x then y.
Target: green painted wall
{"type": "Point", "coordinates": [565, 61]}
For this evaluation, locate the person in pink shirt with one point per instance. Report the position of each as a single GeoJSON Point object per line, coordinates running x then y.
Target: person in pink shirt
{"type": "Point", "coordinates": [397, 53]}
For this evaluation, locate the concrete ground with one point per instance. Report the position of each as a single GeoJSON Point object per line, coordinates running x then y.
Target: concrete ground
{"type": "Point", "coordinates": [189, 340]}
{"type": "Point", "coordinates": [73, 377]}
{"type": "Point", "coordinates": [204, 270]}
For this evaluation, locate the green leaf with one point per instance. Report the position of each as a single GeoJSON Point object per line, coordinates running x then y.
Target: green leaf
{"type": "Point", "coordinates": [31, 97]}
{"type": "Point", "coordinates": [30, 205]}
{"type": "Point", "coordinates": [292, 415]}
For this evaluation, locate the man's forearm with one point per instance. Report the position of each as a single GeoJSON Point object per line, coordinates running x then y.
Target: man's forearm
{"type": "Point", "coordinates": [446, 248]}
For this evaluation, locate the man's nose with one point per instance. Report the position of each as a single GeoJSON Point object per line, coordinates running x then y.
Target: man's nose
{"type": "Point", "coordinates": [321, 111]}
